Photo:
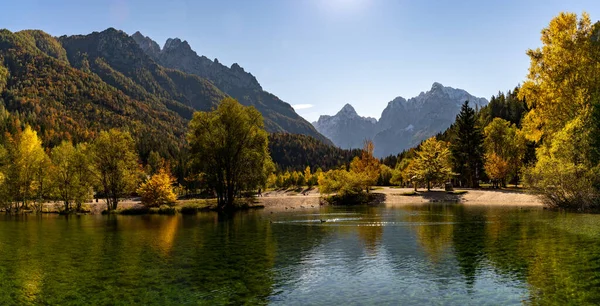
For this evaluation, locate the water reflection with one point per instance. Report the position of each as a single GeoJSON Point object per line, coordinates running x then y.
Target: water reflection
{"type": "Point", "coordinates": [439, 253]}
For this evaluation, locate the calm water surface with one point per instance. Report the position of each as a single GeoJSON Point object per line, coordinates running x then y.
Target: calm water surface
{"type": "Point", "coordinates": [422, 254]}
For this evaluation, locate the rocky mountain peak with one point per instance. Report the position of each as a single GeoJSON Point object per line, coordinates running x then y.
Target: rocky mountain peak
{"type": "Point", "coordinates": [403, 123]}
{"type": "Point", "coordinates": [348, 111]}
{"type": "Point", "coordinates": [437, 86]}
{"type": "Point", "coordinates": [149, 46]}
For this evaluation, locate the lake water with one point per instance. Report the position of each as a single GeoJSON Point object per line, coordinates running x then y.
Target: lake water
{"type": "Point", "coordinates": [422, 254]}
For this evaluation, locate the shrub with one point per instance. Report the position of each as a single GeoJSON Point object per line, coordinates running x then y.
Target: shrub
{"type": "Point", "coordinates": [158, 190]}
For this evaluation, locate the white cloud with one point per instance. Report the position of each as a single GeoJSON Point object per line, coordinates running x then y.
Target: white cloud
{"type": "Point", "coordinates": [302, 106]}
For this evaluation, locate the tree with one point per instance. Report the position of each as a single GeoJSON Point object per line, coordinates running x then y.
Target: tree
{"type": "Point", "coordinates": [563, 74]}
{"type": "Point", "coordinates": [158, 190]}
{"type": "Point", "coordinates": [467, 147]}
{"type": "Point", "coordinates": [385, 175]}
{"type": "Point", "coordinates": [116, 165]}
{"type": "Point", "coordinates": [155, 162]}
{"type": "Point", "coordinates": [399, 174]}
{"type": "Point", "coordinates": [230, 146]}
{"type": "Point", "coordinates": [564, 175]}
{"type": "Point", "coordinates": [505, 143]}
{"type": "Point", "coordinates": [367, 166]}
{"type": "Point", "coordinates": [432, 164]}
{"type": "Point", "coordinates": [26, 159]}
{"type": "Point", "coordinates": [311, 179]}
{"type": "Point", "coordinates": [563, 91]}
{"type": "Point", "coordinates": [496, 168]}
{"type": "Point", "coordinates": [71, 174]}
{"type": "Point", "coordinates": [344, 183]}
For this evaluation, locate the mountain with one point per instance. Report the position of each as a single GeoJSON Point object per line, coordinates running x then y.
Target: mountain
{"type": "Point", "coordinates": [41, 88]}
{"type": "Point", "coordinates": [234, 81]}
{"type": "Point", "coordinates": [403, 123]}
{"type": "Point", "coordinates": [71, 87]}
{"type": "Point", "coordinates": [347, 129]}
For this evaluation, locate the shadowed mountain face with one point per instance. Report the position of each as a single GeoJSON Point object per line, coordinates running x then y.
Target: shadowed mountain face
{"type": "Point", "coordinates": [69, 93]}
{"type": "Point", "coordinates": [403, 123]}
{"type": "Point", "coordinates": [234, 81]}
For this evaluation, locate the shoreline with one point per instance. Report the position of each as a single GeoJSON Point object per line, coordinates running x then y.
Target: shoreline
{"type": "Point", "coordinates": [282, 200]}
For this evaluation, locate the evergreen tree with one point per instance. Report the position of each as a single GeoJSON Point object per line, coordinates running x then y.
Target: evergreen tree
{"type": "Point", "coordinates": [467, 147]}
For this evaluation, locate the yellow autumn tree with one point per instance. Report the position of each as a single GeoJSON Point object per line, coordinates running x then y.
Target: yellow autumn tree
{"type": "Point", "coordinates": [496, 167]}
{"type": "Point", "coordinates": [562, 75]}
{"type": "Point", "coordinates": [25, 175]}
{"type": "Point", "coordinates": [366, 168]}
{"type": "Point", "coordinates": [563, 92]}
{"type": "Point", "coordinates": [432, 164]}
{"type": "Point", "coordinates": [158, 190]}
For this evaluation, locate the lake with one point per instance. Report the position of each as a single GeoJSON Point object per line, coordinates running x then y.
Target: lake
{"type": "Point", "coordinates": [417, 254]}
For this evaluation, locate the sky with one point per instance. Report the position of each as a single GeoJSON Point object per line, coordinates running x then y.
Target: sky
{"type": "Point", "coordinates": [319, 55]}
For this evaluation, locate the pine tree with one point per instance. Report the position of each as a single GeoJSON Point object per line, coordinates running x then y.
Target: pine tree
{"type": "Point", "coordinates": [467, 147]}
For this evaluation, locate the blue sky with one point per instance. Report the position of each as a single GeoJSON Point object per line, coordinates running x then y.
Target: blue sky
{"type": "Point", "coordinates": [327, 53]}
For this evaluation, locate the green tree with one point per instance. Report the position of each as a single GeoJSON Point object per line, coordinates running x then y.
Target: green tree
{"type": "Point", "coordinates": [155, 162]}
{"type": "Point", "coordinates": [71, 174]}
{"type": "Point", "coordinates": [116, 165]}
{"type": "Point", "coordinates": [230, 146]}
{"type": "Point", "coordinates": [467, 147]}
{"type": "Point", "coordinates": [432, 164]}
{"type": "Point", "coordinates": [344, 183]}
{"type": "Point", "coordinates": [564, 175]}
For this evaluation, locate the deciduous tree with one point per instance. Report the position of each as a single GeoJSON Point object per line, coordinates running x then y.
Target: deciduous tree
{"type": "Point", "coordinates": [230, 146]}
{"type": "Point", "coordinates": [116, 165]}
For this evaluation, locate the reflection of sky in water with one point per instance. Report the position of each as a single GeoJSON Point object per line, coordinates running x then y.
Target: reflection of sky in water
{"type": "Point", "coordinates": [410, 259]}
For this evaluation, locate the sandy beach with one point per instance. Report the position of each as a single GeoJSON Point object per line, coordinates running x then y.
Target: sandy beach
{"type": "Point", "coordinates": [282, 200]}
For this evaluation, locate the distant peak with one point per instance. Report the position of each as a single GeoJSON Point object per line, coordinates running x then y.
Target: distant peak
{"type": "Point", "coordinates": [137, 33]}
{"type": "Point", "coordinates": [347, 110]}
{"type": "Point", "coordinates": [436, 86]}
{"type": "Point", "coordinates": [397, 101]}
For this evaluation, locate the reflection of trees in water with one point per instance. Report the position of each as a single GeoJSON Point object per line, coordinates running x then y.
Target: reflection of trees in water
{"type": "Point", "coordinates": [370, 231]}
{"type": "Point", "coordinates": [434, 228]}
{"type": "Point", "coordinates": [469, 240]}
{"type": "Point", "coordinates": [136, 260]}
{"type": "Point", "coordinates": [552, 252]}
{"type": "Point", "coordinates": [216, 260]}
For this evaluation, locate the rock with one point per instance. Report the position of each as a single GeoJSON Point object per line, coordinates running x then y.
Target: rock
{"type": "Point", "coordinates": [403, 123]}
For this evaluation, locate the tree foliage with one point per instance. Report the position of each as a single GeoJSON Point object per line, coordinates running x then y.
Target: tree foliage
{"type": "Point", "coordinates": [562, 90]}
{"type": "Point", "coordinates": [367, 167]}
{"type": "Point", "coordinates": [505, 147]}
{"type": "Point", "coordinates": [116, 165]}
{"type": "Point", "coordinates": [432, 164]}
{"type": "Point", "coordinates": [158, 190]}
{"type": "Point", "coordinates": [72, 174]}
{"type": "Point", "coordinates": [467, 147]}
{"type": "Point", "coordinates": [230, 146]}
